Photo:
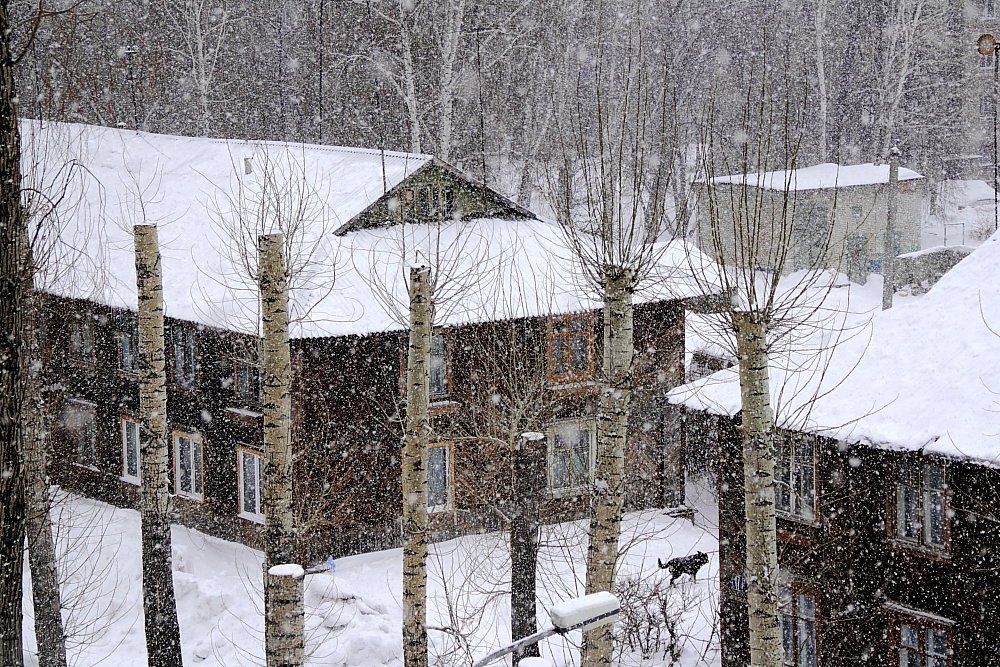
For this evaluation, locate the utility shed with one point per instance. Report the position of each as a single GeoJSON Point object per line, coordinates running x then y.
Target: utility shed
{"type": "Point", "coordinates": [833, 215]}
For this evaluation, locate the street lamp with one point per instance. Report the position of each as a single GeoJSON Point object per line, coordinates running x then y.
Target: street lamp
{"type": "Point", "coordinates": [582, 613]}
{"type": "Point", "coordinates": [986, 45]}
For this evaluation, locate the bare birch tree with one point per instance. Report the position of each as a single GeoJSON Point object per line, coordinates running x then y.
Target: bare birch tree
{"type": "Point", "coordinates": [610, 200]}
{"type": "Point", "coordinates": [753, 229]}
{"type": "Point", "coordinates": [283, 606]}
{"type": "Point", "coordinates": [414, 469]}
{"type": "Point", "coordinates": [163, 641]}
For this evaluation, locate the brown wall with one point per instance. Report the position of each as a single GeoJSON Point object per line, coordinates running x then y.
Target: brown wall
{"type": "Point", "coordinates": [848, 558]}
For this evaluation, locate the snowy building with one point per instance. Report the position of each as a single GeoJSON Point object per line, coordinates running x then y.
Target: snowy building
{"type": "Point", "coordinates": [515, 320]}
{"type": "Point", "coordinates": [836, 214]}
{"type": "Point", "coordinates": [887, 483]}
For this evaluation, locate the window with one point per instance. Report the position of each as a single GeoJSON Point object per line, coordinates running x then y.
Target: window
{"type": "Point", "coordinates": [921, 504]}
{"type": "Point", "coordinates": [188, 476]}
{"type": "Point", "coordinates": [797, 620]}
{"type": "Point", "coordinates": [986, 60]}
{"type": "Point", "coordinates": [81, 339]}
{"type": "Point", "coordinates": [251, 485]}
{"type": "Point", "coordinates": [857, 212]}
{"type": "Point", "coordinates": [986, 106]}
{"type": "Point", "coordinates": [922, 643]}
{"type": "Point", "coordinates": [439, 366]}
{"type": "Point", "coordinates": [81, 425]}
{"type": "Point", "coordinates": [570, 348]}
{"type": "Point", "coordinates": [246, 380]}
{"type": "Point", "coordinates": [989, 9]}
{"type": "Point", "coordinates": [185, 360]}
{"type": "Point", "coordinates": [795, 474]}
{"type": "Point", "coordinates": [128, 351]}
{"type": "Point", "coordinates": [429, 202]}
{"type": "Point", "coordinates": [571, 447]}
{"type": "Point", "coordinates": [130, 451]}
{"type": "Point", "coordinates": [438, 477]}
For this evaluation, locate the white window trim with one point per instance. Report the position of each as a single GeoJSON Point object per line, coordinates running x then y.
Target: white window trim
{"type": "Point", "coordinates": [256, 517]}
{"type": "Point", "coordinates": [550, 430]}
{"type": "Point", "coordinates": [191, 495]}
{"type": "Point", "coordinates": [125, 477]}
{"type": "Point", "coordinates": [448, 484]}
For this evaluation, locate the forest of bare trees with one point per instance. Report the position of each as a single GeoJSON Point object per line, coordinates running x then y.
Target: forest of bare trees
{"type": "Point", "coordinates": [479, 84]}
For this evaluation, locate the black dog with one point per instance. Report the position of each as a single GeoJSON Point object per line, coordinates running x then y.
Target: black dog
{"type": "Point", "coordinates": [684, 565]}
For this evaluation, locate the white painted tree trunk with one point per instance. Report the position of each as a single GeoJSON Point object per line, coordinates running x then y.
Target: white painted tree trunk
{"type": "Point", "coordinates": [608, 489]}
{"type": "Point", "coordinates": [889, 244]}
{"type": "Point", "coordinates": [414, 470]}
{"type": "Point", "coordinates": [283, 610]}
{"type": "Point", "coordinates": [163, 640]}
{"type": "Point", "coordinates": [758, 472]}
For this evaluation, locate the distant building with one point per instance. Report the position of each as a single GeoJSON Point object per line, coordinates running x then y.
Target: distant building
{"type": "Point", "coordinates": [837, 214]}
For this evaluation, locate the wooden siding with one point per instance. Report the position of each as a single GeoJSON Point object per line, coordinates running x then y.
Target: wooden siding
{"type": "Point", "coordinates": [847, 556]}
{"type": "Point", "coordinates": [347, 409]}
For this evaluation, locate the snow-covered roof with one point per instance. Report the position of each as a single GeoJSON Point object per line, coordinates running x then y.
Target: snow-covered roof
{"type": "Point", "coordinates": [924, 375]}
{"type": "Point", "coordinates": [818, 177]}
{"type": "Point", "coordinates": [195, 190]}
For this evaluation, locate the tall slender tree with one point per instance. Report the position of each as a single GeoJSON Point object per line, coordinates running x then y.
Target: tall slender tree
{"type": "Point", "coordinates": [163, 639]}
{"type": "Point", "coordinates": [414, 469]}
{"type": "Point", "coordinates": [284, 614]}
{"type": "Point", "coordinates": [13, 249]}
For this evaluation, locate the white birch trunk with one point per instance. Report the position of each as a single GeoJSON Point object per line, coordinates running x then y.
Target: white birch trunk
{"type": "Point", "coordinates": [455, 11]}
{"type": "Point", "coordinates": [163, 641]}
{"type": "Point", "coordinates": [414, 470]}
{"type": "Point", "coordinates": [758, 473]}
{"type": "Point", "coordinates": [409, 82]}
{"type": "Point", "coordinates": [608, 489]}
{"type": "Point", "coordinates": [889, 244]}
{"type": "Point", "coordinates": [821, 37]}
{"type": "Point", "coordinates": [284, 617]}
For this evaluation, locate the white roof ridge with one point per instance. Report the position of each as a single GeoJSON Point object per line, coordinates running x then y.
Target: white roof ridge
{"type": "Point", "coordinates": [360, 150]}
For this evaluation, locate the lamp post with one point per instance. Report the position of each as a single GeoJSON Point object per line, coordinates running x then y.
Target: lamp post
{"type": "Point", "coordinates": [582, 613]}
{"type": "Point", "coordinates": [986, 45]}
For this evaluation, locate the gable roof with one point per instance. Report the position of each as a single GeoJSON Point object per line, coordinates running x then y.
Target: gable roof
{"type": "Point", "coordinates": [924, 375]}
{"type": "Point", "coordinates": [353, 284]}
{"type": "Point", "coordinates": [818, 177]}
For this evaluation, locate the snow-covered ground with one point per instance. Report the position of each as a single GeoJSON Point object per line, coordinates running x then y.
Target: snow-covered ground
{"type": "Point", "coordinates": [353, 614]}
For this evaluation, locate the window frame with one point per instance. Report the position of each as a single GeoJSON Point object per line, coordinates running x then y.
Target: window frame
{"type": "Point", "coordinates": [924, 625]}
{"type": "Point", "coordinates": [244, 391]}
{"type": "Point", "coordinates": [794, 590]}
{"type": "Point", "coordinates": [445, 362]}
{"type": "Point", "coordinates": [571, 374]}
{"type": "Point", "coordinates": [126, 422]}
{"type": "Point", "coordinates": [243, 513]}
{"type": "Point", "coordinates": [120, 345]}
{"type": "Point", "coordinates": [449, 478]}
{"type": "Point", "coordinates": [794, 512]}
{"type": "Point", "coordinates": [182, 375]}
{"type": "Point", "coordinates": [81, 339]}
{"type": "Point", "coordinates": [896, 505]}
{"type": "Point", "coordinates": [198, 465]}
{"type": "Point", "coordinates": [80, 408]}
{"type": "Point", "coordinates": [551, 430]}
